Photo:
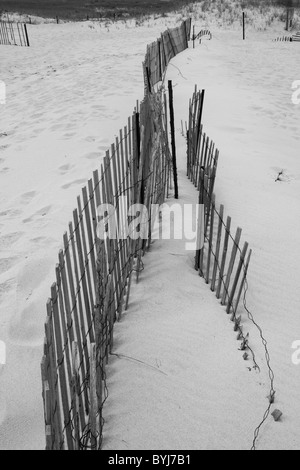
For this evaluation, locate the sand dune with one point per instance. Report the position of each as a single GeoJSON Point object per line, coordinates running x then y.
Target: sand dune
{"type": "Point", "coordinates": [179, 380]}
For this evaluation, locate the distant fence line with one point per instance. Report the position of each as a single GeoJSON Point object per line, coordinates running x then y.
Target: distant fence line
{"type": "Point", "coordinates": [294, 38]}
{"type": "Point", "coordinates": [160, 52]}
{"type": "Point", "coordinates": [13, 34]}
{"type": "Point", "coordinates": [283, 38]}
{"type": "Point", "coordinates": [204, 33]}
{"type": "Point", "coordinates": [221, 261]}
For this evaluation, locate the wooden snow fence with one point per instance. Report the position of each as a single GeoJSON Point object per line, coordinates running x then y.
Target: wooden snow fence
{"type": "Point", "coordinates": [222, 261]}
{"type": "Point", "coordinates": [203, 34]}
{"type": "Point", "coordinates": [159, 53]}
{"type": "Point", "coordinates": [294, 38]}
{"type": "Point", "coordinates": [93, 277]}
{"type": "Point", "coordinates": [13, 34]}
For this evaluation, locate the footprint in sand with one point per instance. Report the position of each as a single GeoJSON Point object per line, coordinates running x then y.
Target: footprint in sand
{"type": "Point", "coordinates": [33, 282]}
{"type": "Point", "coordinates": [36, 116]}
{"type": "Point", "coordinates": [6, 241]}
{"type": "Point", "coordinates": [38, 131]}
{"type": "Point", "coordinates": [55, 127]}
{"type": "Point", "coordinates": [73, 183]}
{"type": "Point", "coordinates": [63, 169]}
{"type": "Point", "coordinates": [41, 242]}
{"type": "Point", "coordinates": [7, 263]}
{"type": "Point", "coordinates": [90, 138]}
{"type": "Point", "coordinates": [69, 135]}
{"type": "Point", "coordinates": [26, 198]}
{"type": "Point", "coordinates": [10, 213]}
{"type": "Point", "coordinates": [92, 155]}
{"type": "Point", "coordinates": [5, 287]}
{"type": "Point", "coordinates": [37, 215]}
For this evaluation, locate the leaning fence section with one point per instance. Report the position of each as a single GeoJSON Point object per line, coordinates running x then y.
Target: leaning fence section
{"type": "Point", "coordinates": [102, 250]}
{"type": "Point", "coordinates": [220, 258]}
{"type": "Point", "coordinates": [13, 34]}
{"type": "Point", "coordinates": [159, 53]}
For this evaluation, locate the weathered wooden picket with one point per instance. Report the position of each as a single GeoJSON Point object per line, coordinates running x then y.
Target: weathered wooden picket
{"type": "Point", "coordinates": [221, 261]}
{"type": "Point", "coordinates": [14, 34]}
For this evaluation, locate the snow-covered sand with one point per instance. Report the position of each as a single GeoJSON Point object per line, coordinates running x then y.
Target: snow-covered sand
{"type": "Point", "coordinates": [67, 97]}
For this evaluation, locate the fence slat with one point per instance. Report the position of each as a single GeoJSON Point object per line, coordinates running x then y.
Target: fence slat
{"type": "Point", "coordinates": [237, 275]}
{"type": "Point", "coordinates": [61, 366]}
{"type": "Point", "coordinates": [231, 264]}
{"type": "Point", "coordinates": [246, 266]}
{"type": "Point", "coordinates": [218, 244]}
{"type": "Point", "coordinates": [224, 255]}
{"type": "Point", "coordinates": [210, 242]}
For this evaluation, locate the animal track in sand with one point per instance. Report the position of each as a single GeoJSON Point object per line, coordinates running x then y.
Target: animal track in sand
{"type": "Point", "coordinates": [73, 183]}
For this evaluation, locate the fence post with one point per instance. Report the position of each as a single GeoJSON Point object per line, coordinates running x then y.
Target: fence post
{"type": "Point", "coordinates": [173, 137]}
{"type": "Point", "coordinates": [26, 34]}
